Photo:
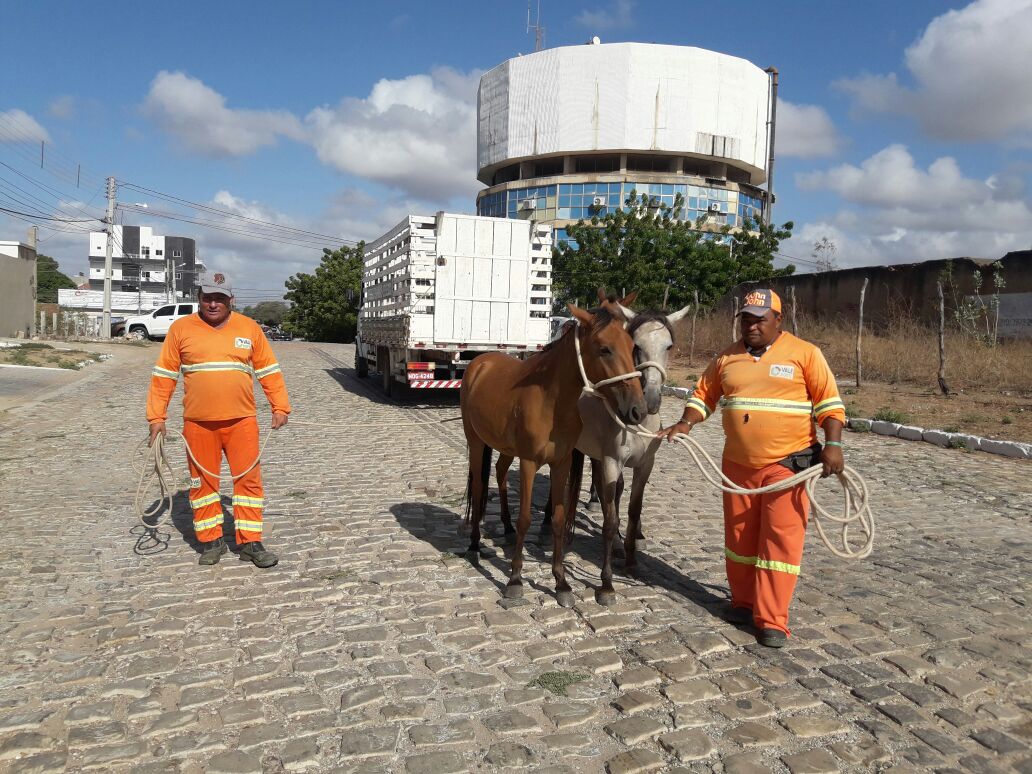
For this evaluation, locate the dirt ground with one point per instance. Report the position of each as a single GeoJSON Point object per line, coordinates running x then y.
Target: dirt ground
{"type": "Point", "coordinates": [1006, 415]}
{"type": "Point", "coordinates": [46, 356]}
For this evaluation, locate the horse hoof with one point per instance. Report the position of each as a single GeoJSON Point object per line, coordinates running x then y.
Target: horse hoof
{"type": "Point", "coordinates": [605, 598]}
{"type": "Point", "coordinates": [630, 570]}
{"type": "Point", "coordinates": [565, 598]}
{"type": "Point", "coordinates": [513, 591]}
{"type": "Point", "coordinates": [640, 543]}
{"type": "Point", "coordinates": [473, 555]}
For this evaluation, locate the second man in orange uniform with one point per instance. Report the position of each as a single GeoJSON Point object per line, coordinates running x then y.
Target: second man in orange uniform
{"type": "Point", "coordinates": [219, 353]}
{"type": "Point", "coordinates": [776, 388]}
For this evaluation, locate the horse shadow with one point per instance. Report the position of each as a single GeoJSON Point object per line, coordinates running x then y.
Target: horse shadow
{"type": "Point", "coordinates": [442, 529]}
{"type": "Point", "coordinates": [154, 534]}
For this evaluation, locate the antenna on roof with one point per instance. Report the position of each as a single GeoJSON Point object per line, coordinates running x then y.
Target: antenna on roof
{"type": "Point", "coordinates": [539, 31]}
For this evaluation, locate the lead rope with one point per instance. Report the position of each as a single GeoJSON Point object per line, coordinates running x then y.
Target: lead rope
{"type": "Point", "coordinates": [856, 508]}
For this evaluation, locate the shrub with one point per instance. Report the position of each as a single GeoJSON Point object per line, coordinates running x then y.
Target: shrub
{"type": "Point", "coordinates": [886, 414]}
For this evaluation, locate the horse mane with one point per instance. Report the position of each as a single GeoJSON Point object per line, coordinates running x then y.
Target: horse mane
{"type": "Point", "coordinates": [602, 318]}
{"type": "Point", "coordinates": [650, 315]}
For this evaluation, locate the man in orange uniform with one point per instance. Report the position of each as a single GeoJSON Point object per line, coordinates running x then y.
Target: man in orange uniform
{"type": "Point", "coordinates": [775, 387]}
{"type": "Point", "coordinates": [220, 352]}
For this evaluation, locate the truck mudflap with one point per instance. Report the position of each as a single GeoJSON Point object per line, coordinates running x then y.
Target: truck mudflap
{"type": "Point", "coordinates": [434, 384]}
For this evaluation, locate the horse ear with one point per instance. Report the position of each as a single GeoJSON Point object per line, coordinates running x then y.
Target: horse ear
{"type": "Point", "coordinates": [602, 297]}
{"type": "Point", "coordinates": [679, 314]}
{"type": "Point", "coordinates": [583, 316]}
{"type": "Point", "coordinates": [629, 298]}
{"type": "Point", "coordinates": [627, 313]}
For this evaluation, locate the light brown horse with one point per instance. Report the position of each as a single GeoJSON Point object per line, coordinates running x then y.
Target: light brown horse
{"type": "Point", "coordinates": [528, 409]}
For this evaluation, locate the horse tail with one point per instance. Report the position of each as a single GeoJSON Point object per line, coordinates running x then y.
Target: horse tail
{"type": "Point", "coordinates": [485, 478]}
{"type": "Point", "coordinates": [576, 479]}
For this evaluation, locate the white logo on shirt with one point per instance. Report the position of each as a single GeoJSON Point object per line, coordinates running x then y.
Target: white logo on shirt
{"type": "Point", "coordinates": [242, 343]}
{"type": "Point", "coordinates": [783, 371]}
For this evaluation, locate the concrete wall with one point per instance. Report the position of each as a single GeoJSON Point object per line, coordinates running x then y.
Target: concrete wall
{"type": "Point", "coordinates": [17, 289]}
{"type": "Point", "coordinates": [907, 289]}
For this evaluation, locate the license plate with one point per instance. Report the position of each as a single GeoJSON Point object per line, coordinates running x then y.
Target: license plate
{"type": "Point", "coordinates": [419, 376]}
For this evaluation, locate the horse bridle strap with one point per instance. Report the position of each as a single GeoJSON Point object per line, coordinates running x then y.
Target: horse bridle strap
{"type": "Point", "coordinates": [591, 388]}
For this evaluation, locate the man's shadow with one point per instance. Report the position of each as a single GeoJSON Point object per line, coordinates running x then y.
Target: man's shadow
{"type": "Point", "coordinates": [444, 530]}
{"type": "Point", "coordinates": [154, 533]}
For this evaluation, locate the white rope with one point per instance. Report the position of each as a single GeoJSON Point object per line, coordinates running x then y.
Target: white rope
{"type": "Point", "coordinates": [856, 508]}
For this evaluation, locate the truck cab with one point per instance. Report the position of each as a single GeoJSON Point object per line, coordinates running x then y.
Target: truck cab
{"type": "Point", "coordinates": [155, 325]}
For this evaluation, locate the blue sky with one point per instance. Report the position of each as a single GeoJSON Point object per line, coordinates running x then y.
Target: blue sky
{"type": "Point", "coordinates": [905, 131]}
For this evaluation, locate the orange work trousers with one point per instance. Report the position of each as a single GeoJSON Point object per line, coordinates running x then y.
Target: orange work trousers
{"type": "Point", "coordinates": [763, 543]}
{"type": "Point", "coordinates": [238, 440]}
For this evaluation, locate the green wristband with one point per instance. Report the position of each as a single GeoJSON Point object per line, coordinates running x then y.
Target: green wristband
{"type": "Point", "coordinates": [833, 443]}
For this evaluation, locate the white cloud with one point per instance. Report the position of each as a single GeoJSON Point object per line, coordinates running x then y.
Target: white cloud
{"type": "Point", "coordinates": [896, 211]}
{"type": "Point", "coordinates": [618, 15]}
{"type": "Point", "coordinates": [805, 131]}
{"type": "Point", "coordinates": [63, 107]}
{"type": "Point", "coordinates": [416, 134]}
{"type": "Point", "coordinates": [18, 126]}
{"type": "Point", "coordinates": [197, 117]}
{"type": "Point", "coordinates": [970, 69]}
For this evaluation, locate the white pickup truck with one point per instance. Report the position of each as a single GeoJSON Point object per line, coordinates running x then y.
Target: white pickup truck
{"type": "Point", "coordinates": [439, 290]}
{"type": "Point", "coordinates": [156, 324]}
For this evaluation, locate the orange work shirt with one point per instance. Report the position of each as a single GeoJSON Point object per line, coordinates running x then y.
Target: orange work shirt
{"type": "Point", "coordinates": [770, 402]}
{"type": "Point", "coordinates": [219, 366]}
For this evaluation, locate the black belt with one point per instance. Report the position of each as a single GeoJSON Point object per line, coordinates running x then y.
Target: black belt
{"type": "Point", "coordinates": [802, 460]}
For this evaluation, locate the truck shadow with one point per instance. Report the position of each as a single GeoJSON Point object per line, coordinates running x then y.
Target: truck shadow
{"type": "Point", "coordinates": [443, 529]}
{"type": "Point", "coordinates": [404, 397]}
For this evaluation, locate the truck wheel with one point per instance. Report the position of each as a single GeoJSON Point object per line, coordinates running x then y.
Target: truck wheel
{"type": "Point", "coordinates": [361, 365]}
{"type": "Point", "coordinates": [388, 382]}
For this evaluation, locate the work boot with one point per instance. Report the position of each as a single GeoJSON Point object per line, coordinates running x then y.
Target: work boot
{"type": "Point", "coordinates": [772, 638]}
{"type": "Point", "coordinates": [213, 551]}
{"type": "Point", "coordinates": [257, 553]}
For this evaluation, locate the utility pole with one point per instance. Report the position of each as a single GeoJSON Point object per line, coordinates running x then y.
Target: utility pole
{"type": "Point", "coordinates": [773, 72]}
{"type": "Point", "coordinates": [539, 31]}
{"type": "Point", "coordinates": [110, 221]}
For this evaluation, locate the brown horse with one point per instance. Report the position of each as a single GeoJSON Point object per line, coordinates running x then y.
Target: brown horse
{"type": "Point", "coordinates": [528, 409]}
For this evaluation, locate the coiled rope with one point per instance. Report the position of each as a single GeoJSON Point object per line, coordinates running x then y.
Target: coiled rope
{"type": "Point", "coordinates": [856, 508]}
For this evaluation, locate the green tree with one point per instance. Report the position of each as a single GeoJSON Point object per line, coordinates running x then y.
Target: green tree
{"type": "Point", "coordinates": [268, 312]}
{"type": "Point", "coordinates": [650, 249]}
{"type": "Point", "coordinates": [49, 279]}
{"type": "Point", "coordinates": [325, 303]}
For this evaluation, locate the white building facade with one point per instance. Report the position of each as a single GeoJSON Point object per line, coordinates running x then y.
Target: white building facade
{"type": "Point", "coordinates": [568, 133]}
{"type": "Point", "coordinates": [144, 262]}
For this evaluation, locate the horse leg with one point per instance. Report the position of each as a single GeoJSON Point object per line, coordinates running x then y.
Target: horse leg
{"type": "Point", "coordinates": [596, 484]}
{"type": "Point", "coordinates": [502, 476]}
{"type": "Point", "coordinates": [634, 539]}
{"type": "Point", "coordinates": [562, 509]}
{"type": "Point", "coordinates": [479, 472]}
{"type": "Point", "coordinates": [609, 488]}
{"type": "Point", "coordinates": [528, 469]}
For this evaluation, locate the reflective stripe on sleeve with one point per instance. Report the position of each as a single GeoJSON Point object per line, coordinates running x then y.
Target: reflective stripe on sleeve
{"type": "Point", "coordinates": [208, 499]}
{"type": "Point", "coordinates": [769, 404]}
{"type": "Point", "coordinates": [246, 525]}
{"type": "Point", "coordinates": [699, 405]}
{"type": "Point", "coordinates": [250, 502]}
{"type": "Point", "coordinates": [261, 373]}
{"type": "Point", "coordinates": [831, 404]}
{"type": "Point", "coordinates": [164, 373]}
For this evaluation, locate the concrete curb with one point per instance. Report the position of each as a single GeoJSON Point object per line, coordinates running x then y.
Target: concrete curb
{"type": "Point", "coordinates": [1013, 449]}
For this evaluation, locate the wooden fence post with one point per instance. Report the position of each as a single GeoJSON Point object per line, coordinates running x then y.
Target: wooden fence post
{"type": "Point", "coordinates": [666, 295]}
{"type": "Point", "coordinates": [42, 323]}
{"type": "Point", "coordinates": [860, 332]}
{"type": "Point", "coordinates": [734, 322]}
{"type": "Point", "coordinates": [791, 295]}
{"type": "Point", "coordinates": [942, 340]}
{"type": "Point", "coordinates": [695, 315]}
{"type": "Point", "coordinates": [54, 327]}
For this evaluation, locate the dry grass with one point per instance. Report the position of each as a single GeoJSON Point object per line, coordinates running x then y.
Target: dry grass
{"type": "Point", "coordinates": [905, 353]}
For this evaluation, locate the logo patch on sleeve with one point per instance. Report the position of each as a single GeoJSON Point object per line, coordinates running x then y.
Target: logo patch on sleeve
{"type": "Point", "coordinates": [242, 343]}
{"type": "Point", "coordinates": [783, 371]}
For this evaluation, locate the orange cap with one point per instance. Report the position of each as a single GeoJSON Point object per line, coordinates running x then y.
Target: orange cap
{"type": "Point", "coordinates": [758, 301]}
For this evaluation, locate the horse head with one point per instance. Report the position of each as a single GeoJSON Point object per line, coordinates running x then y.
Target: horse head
{"type": "Point", "coordinates": [607, 350]}
{"type": "Point", "coordinates": [653, 336]}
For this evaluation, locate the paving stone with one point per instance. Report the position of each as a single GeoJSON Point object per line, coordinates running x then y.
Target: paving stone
{"type": "Point", "coordinates": [811, 762]}
{"type": "Point", "coordinates": [959, 688]}
{"type": "Point", "coordinates": [85, 714]}
{"type": "Point", "coordinates": [91, 736]}
{"type": "Point", "coordinates": [24, 743]}
{"type": "Point", "coordinates": [633, 730]}
{"type": "Point", "coordinates": [104, 756]}
{"type": "Point", "coordinates": [903, 714]}
{"type": "Point", "coordinates": [170, 722]}
{"type": "Point", "coordinates": [45, 763]}
{"type": "Point", "coordinates": [509, 754]}
{"type": "Point", "coordinates": [255, 736]}
{"type": "Point", "coordinates": [234, 762]}
{"type": "Point", "coordinates": [510, 722]}
{"type": "Point", "coordinates": [745, 763]}
{"type": "Point", "coordinates": [751, 734]}
{"type": "Point", "coordinates": [569, 714]}
{"type": "Point", "coordinates": [691, 691]}
{"type": "Point", "coordinates": [642, 677]}
{"type": "Point", "coordinates": [360, 697]}
{"type": "Point", "coordinates": [300, 754]}
{"type": "Point", "coordinates": [861, 751]}
{"type": "Point", "coordinates": [688, 744]}
{"type": "Point", "coordinates": [237, 712]}
{"type": "Point", "coordinates": [23, 721]}
{"type": "Point", "coordinates": [455, 732]}
{"type": "Point", "coordinates": [806, 726]}
{"type": "Point", "coordinates": [469, 681]}
{"type": "Point", "coordinates": [997, 741]}
{"type": "Point", "coordinates": [597, 663]}
{"type": "Point", "coordinates": [635, 762]}
{"type": "Point", "coordinates": [440, 762]}
{"type": "Point", "coordinates": [634, 702]}
{"type": "Point", "coordinates": [379, 740]}
{"type": "Point", "coordinates": [744, 709]}
{"type": "Point", "coordinates": [680, 670]}
{"type": "Point", "coordinates": [568, 743]}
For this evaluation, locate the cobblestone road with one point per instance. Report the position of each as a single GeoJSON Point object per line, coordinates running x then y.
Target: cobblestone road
{"type": "Point", "coordinates": [372, 647]}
